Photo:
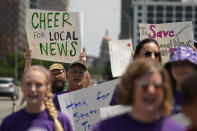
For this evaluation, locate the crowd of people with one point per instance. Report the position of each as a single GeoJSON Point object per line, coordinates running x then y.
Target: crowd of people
{"type": "Point", "coordinates": [154, 91]}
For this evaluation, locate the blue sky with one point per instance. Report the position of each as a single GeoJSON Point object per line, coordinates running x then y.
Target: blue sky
{"type": "Point", "coordinates": [99, 16]}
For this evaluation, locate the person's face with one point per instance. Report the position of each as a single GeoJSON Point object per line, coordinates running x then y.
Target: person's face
{"type": "Point", "coordinates": [190, 111]}
{"type": "Point", "coordinates": [150, 50]}
{"type": "Point", "coordinates": [75, 77]}
{"type": "Point", "coordinates": [58, 77]}
{"type": "Point", "coordinates": [148, 93]}
{"type": "Point", "coordinates": [181, 69]}
{"type": "Point", "coordinates": [35, 87]}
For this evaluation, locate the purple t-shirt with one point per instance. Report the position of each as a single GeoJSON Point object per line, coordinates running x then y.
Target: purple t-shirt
{"type": "Point", "coordinates": [126, 123]}
{"type": "Point", "coordinates": [24, 121]}
{"type": "Point", "coordinates": [177, 105]}
{"type": "Point", "coordinates": [55, 99]}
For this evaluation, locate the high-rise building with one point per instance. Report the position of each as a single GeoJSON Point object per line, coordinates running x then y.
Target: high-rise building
{"type": "Point", "coordinates": [12, 31]}
{"type": "Point", "coordinates": [56, 5]}
{"type": "Point", "coordinates": [157, 12]}
{"type": "Point", "coordinates": [13, 36]}
{"type": "Point", "coordinates": [126, 20]}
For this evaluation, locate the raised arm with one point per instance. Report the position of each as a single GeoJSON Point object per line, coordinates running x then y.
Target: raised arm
{"type": "Point", "coordinates": [27, 56]}
{"type": "Point", "coordinates": [82, 57]}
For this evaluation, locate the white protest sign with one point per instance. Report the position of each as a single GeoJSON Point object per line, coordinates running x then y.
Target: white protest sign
{"type": "Point", "coordinates": [181, 119]}
{"type": "Point", "coordinates": [54, 35]}
{"type": "Point", "coordinates": [168, 35]}
{"type": "Point", "coordinates": [111, 111]}
{"type": "Point", "coordinates": [83, 106]}
{"type": "Point", "coordinates": [120, 56]}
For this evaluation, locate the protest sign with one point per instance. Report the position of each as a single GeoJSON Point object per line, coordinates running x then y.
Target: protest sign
{"type": "Point", "coordinates": [54, 35]}
{"type": "Point", "coordinates": [120, 56]}
{"type": "Point", "coordinates": [181, 119]}
{"type": "Point", "coordinates": [83, 106]}
{"type": "Point", "coordinates": [168, 35]}
{"type": "Point", "coordinates": [111, 111]}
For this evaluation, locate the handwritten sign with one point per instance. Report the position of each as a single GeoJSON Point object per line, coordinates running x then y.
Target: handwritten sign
{"type": "Point", "coordinates": [54, 35]}
{"type": "Point", "coordinates": [111, 111]}
{"type": "Point", "coordinates": [168, 35]}
{"type": "Point", "coordinates": [120, 56]}
{"type": "Point", "coordinates": [83, 106]}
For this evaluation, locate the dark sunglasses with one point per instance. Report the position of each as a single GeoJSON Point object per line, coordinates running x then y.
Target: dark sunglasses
{"type": "Point", "coordinates": [149, 54]}
{"type": "Point", "coordinates": [144, 85]}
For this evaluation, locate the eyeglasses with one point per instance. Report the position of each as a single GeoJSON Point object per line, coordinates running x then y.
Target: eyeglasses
{"type": "Point", "coordinates": [56, 73]}
{"type": "Point", "coordinates": [148, 53]}
{"type": "Point", "coordinates": [75, 72]}
{"type": "Point", "coordinates": [145, 84]}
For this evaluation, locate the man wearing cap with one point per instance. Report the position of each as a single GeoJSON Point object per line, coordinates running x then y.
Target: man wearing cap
{"type": "Point", "coordinates": [75, 75]}
{"type": "Point", "coordinates": [58, 78]}
{"type": "Point", "coordinates": [58, 73]}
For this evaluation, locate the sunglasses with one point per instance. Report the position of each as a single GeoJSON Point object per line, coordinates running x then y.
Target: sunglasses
{"type": "Point", "coordinates": [145, 84]}
{"type": "Point", "coordinates": [75, 72]}
{"type": "Point", "coordinates": [56, 73]}
{"type": "Point", "coordinates": [149, 53]}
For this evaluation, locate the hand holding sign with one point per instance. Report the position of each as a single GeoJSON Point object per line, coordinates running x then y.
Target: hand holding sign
{"type": "Point", "coordinates": [54, 35]}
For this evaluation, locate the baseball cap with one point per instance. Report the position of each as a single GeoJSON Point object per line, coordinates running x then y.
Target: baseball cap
{"type": "Point", "coordinates": [56, 66]}
{"type": "Point", "coordinates": [78, 63]}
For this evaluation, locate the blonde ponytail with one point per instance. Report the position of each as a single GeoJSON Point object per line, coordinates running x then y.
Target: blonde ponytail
{"type": "Point", "coordinates": [52, 112]}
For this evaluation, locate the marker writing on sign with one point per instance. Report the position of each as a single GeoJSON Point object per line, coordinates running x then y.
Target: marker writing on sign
{"type": "Point", "coordinates": [160, 34]}
{"type": "Point", "coordinates": [49, 49]}
{"type": "Point", "coordinates": [70, 105]}
{"type": "Point", "coordinates": [62, 36]}
{"type": "Point", "coordinates": [50, 20]}
{"type": "Point", "coordinates": [80, 115]}
{"type": "Point", "coordinates": [179, 32]}
{"type": "Point", "coordinates": [86, 125]}
{"type": "Point", "coordinates": [101, 96]}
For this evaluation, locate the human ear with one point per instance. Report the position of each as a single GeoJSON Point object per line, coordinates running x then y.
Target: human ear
{"type": "Point", "coordinates": [48, 88]}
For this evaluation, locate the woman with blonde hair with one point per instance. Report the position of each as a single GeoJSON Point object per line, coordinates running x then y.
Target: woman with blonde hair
{"type": "Point", "coordinates": [39, 112]}
{"type": "Point", "coordinates": [145, 87]}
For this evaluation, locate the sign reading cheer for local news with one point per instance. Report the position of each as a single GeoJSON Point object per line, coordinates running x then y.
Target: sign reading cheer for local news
{"type": "Point", "coordinates": [168, 35]}
{"type": "Point", "coordinates": [83, 106]}
{"type": "Point", "coordinates": [120, 56]}
{"type": "Point", "coordinates": [54, 35]}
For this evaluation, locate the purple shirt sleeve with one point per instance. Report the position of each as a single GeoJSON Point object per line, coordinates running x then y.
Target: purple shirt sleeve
{"type": "Point", "coordinates": [65, 122]}
{"type": "Point", "coordinates": [55, 100]}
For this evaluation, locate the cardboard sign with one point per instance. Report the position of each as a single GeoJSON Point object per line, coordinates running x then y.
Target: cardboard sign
{"type": "Point", "coordinates": [54, 35]}
{"type": "Point", "coordinates": [169, 35]}
{"type": "Point", "coordinates": [120, 56]}
{"type": "Point", "coordinates": [111, 111]}
{"type": "Point", "coordinates": [83, 106]}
